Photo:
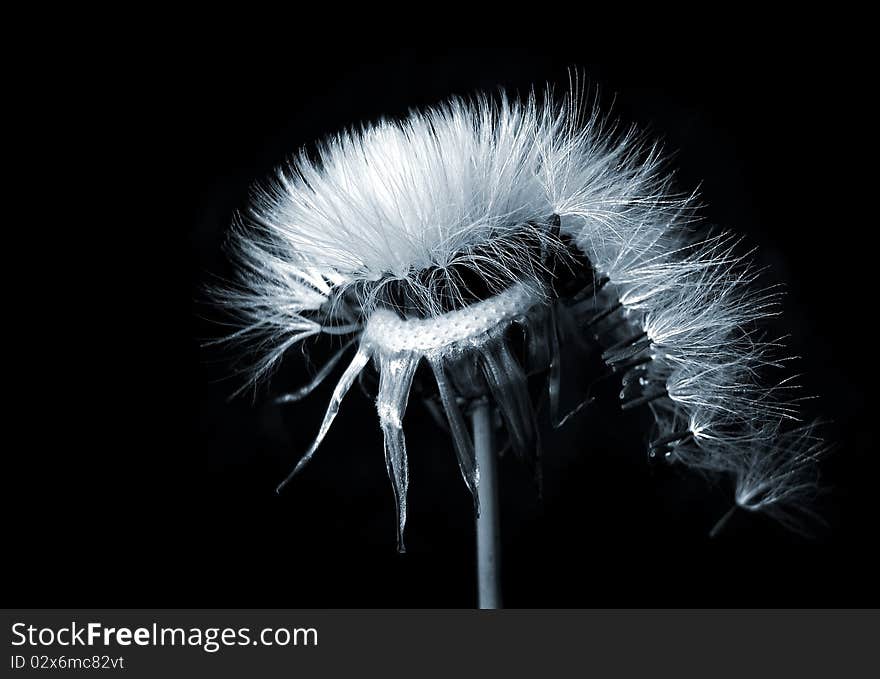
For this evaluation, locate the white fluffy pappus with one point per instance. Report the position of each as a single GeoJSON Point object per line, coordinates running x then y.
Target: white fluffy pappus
{"type": "Point", "coordinates": [429, 238]}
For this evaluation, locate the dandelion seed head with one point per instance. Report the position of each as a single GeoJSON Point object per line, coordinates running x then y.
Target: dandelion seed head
{"type": "Point", "coordinates": [428, 238]}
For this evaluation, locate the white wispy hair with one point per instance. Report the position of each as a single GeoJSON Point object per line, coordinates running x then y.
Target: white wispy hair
{"type": "Point", "coordinates": [407, 214]}
{"type": "Point", "coordinates": [782, 485]}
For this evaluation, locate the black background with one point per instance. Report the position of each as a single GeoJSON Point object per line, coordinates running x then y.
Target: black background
{"type": "Point", "coordinates": [150, 489]}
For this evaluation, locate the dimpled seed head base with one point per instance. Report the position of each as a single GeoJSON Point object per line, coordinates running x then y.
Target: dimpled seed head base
{"type": "Point", "coordinates": [455, 330]}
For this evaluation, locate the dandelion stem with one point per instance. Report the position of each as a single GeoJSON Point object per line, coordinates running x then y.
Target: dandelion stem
{"type": "Point", "coordinates": [488, 525]}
